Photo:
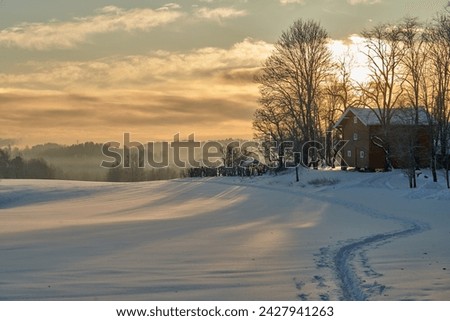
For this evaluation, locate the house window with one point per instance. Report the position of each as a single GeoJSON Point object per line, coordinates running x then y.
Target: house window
{"type": "Point", "coordinates": [362, 154]}
{"type": "Point", "coordinates": [355, 120]}
{"type": "Point", "coordinates": [349, 153]}
{"type": "Point", "coordinates": [355, 136]}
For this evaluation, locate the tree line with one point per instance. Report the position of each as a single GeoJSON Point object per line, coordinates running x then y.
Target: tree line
{"type": "Point", "coordinates": [304, 90]}
{"type": "Point", "coordinates": [72, 162]}
{"type": "Point", "coordinates": [17, 167]}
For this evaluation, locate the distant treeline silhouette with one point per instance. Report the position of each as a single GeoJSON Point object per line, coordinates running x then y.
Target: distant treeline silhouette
{"type": "Point", "coordinates": [17, 167]}
{"type": "Point", "coordinates": [82, 162]}
{"type": "Point", "coordinates": [75, 162]}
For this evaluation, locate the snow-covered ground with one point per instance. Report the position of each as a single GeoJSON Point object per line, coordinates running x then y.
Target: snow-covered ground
{"type": "Point", "coordinates": [349, 236]}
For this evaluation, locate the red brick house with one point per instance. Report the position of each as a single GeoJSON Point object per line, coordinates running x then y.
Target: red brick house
{"type": "Point", "coordinates": [362, 130]}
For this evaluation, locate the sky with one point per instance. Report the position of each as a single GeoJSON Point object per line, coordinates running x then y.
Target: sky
{"type": "Point", "coordinates": [75, 71]}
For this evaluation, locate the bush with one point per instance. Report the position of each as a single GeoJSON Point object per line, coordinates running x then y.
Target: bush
{"type": "Point", "coordinates": [323, 182]}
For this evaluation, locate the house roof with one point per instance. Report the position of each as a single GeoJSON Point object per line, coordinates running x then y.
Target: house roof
{"type": "Point", "coordinates": [399, 116]}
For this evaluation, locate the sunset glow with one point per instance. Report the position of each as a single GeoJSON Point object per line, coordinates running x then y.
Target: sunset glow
{"type": "Point", "coordinates": [92, 71]}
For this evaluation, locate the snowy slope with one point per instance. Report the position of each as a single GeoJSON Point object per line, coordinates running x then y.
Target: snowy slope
{"type": "Point", "coordinates": [366, 237]}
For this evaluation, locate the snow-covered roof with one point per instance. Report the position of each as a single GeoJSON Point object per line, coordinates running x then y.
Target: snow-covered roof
{"type": "Point", "coordinates": [399, 116]}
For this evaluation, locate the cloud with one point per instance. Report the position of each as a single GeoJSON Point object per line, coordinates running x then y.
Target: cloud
{"type": "Point", "coordinates": [55, 34]}
{"type": "Point", "coordinates": [158, 68]}
{"type": "Point", "coordinates": [219, 14]}
{"type": "Point", "coordinates": [285, 2]}
{"type": "Point", "coordinates": [356, 2]}
{"type": "Point", "coordinates": [40, 117]}
{"type": "Point", "coordinates": [170, 6]}
{"type": "Point", "coordinates": [156, 95]}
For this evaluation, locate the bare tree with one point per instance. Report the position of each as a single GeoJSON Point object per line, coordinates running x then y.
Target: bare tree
{"type": "Point", "coordinates": [291, 82]}
{"type": "Point", "coordinates": [406, 141]}
{"type": "Point", "coordinates": [413, 67]}
{"type": "Point", "coordinates": [438, 39]}
{"type": "Point", "coordinates": [385, 52]}
{"type": "Point", "coordinates": [338, 95]}
{"type": "Point", "coordinates": [428, 92]}
{"type": "Point", "coordinates": [413, 62]}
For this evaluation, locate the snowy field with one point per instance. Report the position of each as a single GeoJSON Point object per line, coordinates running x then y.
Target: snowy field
{"type": "Point", "coordinates": [349, 236]}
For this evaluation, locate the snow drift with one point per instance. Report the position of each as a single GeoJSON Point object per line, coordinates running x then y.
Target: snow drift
{"type": "Point", "coordinates": [332, 236]}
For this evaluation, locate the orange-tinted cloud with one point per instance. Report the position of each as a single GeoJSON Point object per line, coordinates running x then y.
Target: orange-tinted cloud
{"type": "Point", "coordinates": [209, 91]}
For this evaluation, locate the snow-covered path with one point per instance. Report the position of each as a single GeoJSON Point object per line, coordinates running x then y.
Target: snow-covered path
{"type": "Point", "coordinates": [345, 252]}
{"type": "Point", "coordinates": [223, 239]}
{"type": "Point", "coordinates": [350, 283]}
{"type": "Point", "coordinates": [352, 286]}
{"type": "Point", "coordinates": [420, 225]}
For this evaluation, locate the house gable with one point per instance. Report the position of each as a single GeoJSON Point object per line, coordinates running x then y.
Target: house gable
{"type": "Point", "coordinates": [361, 114]}
{"type": "Point", "coordinates": [357, 135]}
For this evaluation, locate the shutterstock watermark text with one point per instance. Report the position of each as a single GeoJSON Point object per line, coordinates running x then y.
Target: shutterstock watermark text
{"type": "Point", "coordinates": [191, 153]}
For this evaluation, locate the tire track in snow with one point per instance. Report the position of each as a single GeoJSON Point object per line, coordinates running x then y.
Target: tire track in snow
{"type": "Point", "coordinates": [349, 282]}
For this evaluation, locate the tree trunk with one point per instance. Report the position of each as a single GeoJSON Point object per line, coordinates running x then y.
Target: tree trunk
{"type": "Point", "coordinates": [433, 167]}
{"type": "Point", "coordinates": [447, 178]}
{"type": "Point", "coordinates": [446, 171]}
